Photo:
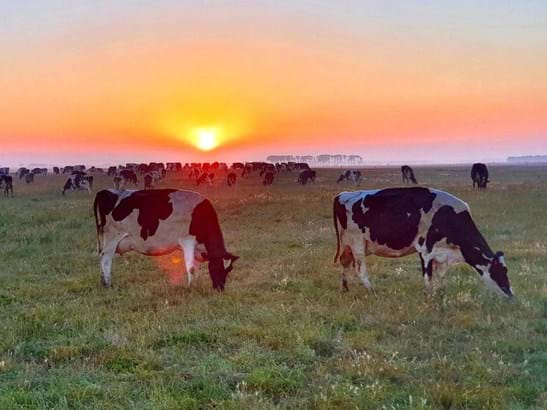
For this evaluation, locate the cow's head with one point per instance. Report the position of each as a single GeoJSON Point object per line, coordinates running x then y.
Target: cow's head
{"type": "Point", "coordinates": [219, 269]}
{"type": "Point", "coordinates": [496, 275]}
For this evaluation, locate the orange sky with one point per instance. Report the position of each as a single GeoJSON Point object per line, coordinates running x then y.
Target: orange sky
{"type": "Point", "coordinates": [275, 77]}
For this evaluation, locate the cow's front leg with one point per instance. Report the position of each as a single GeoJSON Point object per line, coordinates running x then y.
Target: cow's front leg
{"type": "Point", "coordinates": [188, 246]}
{"type": "Point", "coordinates": [359, 256]}
{"type": "Point", "coordinates": [440, 274]}
{"type": "Point", "coordinates": [427, 271]}
{"type": "Point", "coordinates": [362, 271]}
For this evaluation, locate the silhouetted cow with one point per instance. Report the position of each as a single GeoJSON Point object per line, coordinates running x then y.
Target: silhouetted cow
{"type": "Point", "coordinates": [305, 176]}
{"type": "Point", "coordinates": [268, 178]}
{"type": "Point", "coordinates": [408, 174]}
{"type": "Point", "coordinates": [231, 178]}
{"type": "Point", "coordinates": [479, 175]}
{"type": "Point", "coordinates": [7, 180]}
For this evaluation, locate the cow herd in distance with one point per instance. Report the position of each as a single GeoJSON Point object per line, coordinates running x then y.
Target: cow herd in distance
{"type": "Point", "coordinates": [390, 222]}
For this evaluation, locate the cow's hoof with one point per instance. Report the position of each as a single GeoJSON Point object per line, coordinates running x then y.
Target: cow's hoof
{"type": "Point", "coordinates": [345, 286]}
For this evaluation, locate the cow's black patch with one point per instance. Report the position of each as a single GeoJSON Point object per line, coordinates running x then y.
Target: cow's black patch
{"type": "Point", "coordinates": [421, 240]}
{"type": "Point", "coordinates": [459, 229]}
{"type": "Point", "coordinates": [393, 215]}
{"type": "Point", "coordinates": [105, 201]}
{"type": "Point", "coordinates": [153, 206]}
{"type": "Point", "coordinates": [205, 227]}
{"type": "Point", "coordinates": [498, 273]}
{"type": "Point", "coordinates": [340, 213]}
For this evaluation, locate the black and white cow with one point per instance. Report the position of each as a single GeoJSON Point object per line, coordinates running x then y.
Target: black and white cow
{"type": "Point", "coordinates": [305, 176]}
{"type": "Point", "coordinates": [396, 222]}
{"type": "Point", "coordinates": [231, 178]}
{"type": "Point", "coordinates": [408, 174]}
{"type": "Point", "coordinates": [479, 175]}
{"type": "Point", "coordinates": [158, 222]}
{"type": "Point", "coordinates": [7, 181]}
{"type": "Point", "coordinates": [353, 176]}
{"type": "Point", "coordinates": [22, 172]}
{"type": "Point", "coordinates": [78, 181]}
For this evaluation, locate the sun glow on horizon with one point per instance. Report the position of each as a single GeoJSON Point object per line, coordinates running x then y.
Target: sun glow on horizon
{"type": "Point", "coordinates": [206, 138]}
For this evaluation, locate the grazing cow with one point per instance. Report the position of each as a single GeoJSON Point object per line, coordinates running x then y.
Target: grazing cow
{"type": "Point", "coordinates": [56, 170]}
{"type": "Point", "coordinates": [267, 168]}
{"type": "Point", "coordinates": [238, 166]}
{"type": "Point", "coordinates": [205, 178]}
{"type": "Point", "coordinates": [158, 222]}
{"type": "Point", "coordinates": [29, 177]}
{"type": "Point", "coordinates": [39, 171]}
{"type": "Point", "coordinates": [231, 178]}
{"type": "Point", "coordinates": [396, 222]}
{"type": "Point", "coordinates": [408, 174]}
{"type": "Point", "coordinates": [129, 175]}
{"type": "Point", "coordinates": [78, 181]}
{"type": "Point", "coordinates": [119, 183]}
{"type": "Point", "coordinates": [8, 181]}
{"type": "Point", "coordinates": [479, 175]}
{"type": "Point", "coordinates": [148, 178]}
{"type": "Point", "coordinates": [353, 176]}
{"type": "Point", "coordinates": [305, 176]}
{"type": "Point", "coordinates": [268, 178]}
{"type": "Point", "coordinates": [22, 172]}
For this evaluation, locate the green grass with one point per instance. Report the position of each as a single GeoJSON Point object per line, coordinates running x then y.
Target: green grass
{"type": "Point", "coordinates": [283, 334]}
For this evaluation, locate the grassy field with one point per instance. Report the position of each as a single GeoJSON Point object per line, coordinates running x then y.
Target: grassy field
{"type": "Point", "coordinates": [283, 334]}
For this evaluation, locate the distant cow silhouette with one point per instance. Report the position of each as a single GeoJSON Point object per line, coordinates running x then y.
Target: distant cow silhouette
{"type": "Point", "coordinates": [408, 174]}
{"type": "Point", "coordinates": [8, 181]}
{"type": "Point", "coordinates": [479, 175]}
{"type": "Point", "coordinates": [231, 178]}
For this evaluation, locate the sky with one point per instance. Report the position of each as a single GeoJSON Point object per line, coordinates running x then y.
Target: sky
{"type": "Point", "coordinates": [104, 81]}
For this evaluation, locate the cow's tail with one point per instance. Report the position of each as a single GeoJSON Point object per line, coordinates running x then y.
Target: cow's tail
{"type": "Point", "coordinates": [100, 221]}
{"type": "Point", "coordinates": [335, 219]}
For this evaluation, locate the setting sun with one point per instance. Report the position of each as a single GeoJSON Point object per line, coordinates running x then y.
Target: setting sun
{"type": "Point", "coordinates": [206, 139]}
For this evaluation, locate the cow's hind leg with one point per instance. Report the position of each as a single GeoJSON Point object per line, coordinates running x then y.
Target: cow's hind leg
{"type": "Point", "coordinates": [347, 261]}
{"type": "Point", "coordinates": [188, 246]}
{"type": "Point", "coordinates": [106, 264]}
